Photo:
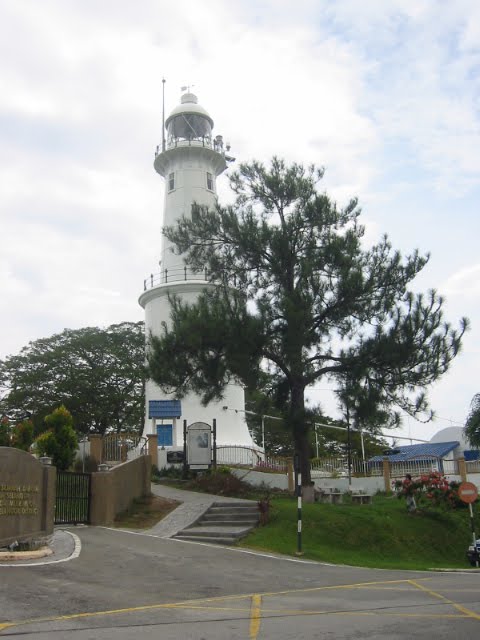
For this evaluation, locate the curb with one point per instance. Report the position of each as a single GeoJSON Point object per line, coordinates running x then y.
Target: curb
{"type": "Point", "coordinates": [25, 555]}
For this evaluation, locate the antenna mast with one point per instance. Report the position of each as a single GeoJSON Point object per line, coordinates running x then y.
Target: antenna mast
{"type": "Point", "coordinates": [163, 114]}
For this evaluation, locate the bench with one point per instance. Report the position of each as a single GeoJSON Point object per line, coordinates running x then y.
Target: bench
{"type": "Point", "coordinates": [360, 496]}
{"type": "Point", "coordinates": [328, 495]}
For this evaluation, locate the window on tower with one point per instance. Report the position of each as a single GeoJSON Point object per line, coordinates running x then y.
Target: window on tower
{"type": "Point", "coordinates": [171, 181]}
{"type": "Point", "coordinates": [165, 435]}
{"type": "Point", "coordinates": [209, 181]}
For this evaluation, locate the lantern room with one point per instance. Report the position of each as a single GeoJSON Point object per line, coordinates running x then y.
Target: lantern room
{"type": "Point", "coordinates": [189, 122]}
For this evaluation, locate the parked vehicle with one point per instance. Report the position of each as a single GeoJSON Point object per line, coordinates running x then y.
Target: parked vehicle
{"type": "Point", "coordinates": [473, 553]}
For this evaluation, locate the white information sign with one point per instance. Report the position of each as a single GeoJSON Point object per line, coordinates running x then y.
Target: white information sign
{"type": "Point", "coordinates": [199, 445]}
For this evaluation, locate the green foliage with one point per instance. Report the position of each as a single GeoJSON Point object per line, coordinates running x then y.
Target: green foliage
{"type": "Point", "coordinates": [19, 436]}
{"type": "Point", "coordinates": [175, 472]}
{"type": "Point", "coordinates": [472, 426]}
{"type": "Point", "coordinates": [87, 464]}
{"type": "Point", "coordinates": [298, 299]}
{"type": "Point", "coordinates": [22, 435]}
{"type": "Point", "coordinates": [5, 433]}
{"type": "Point", "coordinates": [220, 484]}
{"type": "Point", "coordinates": [278, 438]}
{"type": "Point", "coordinates": [59, 442]}
{"type": "Point", "coordinates": [98, 374]}
{"type": "Point", "coordinates": [373, 535]}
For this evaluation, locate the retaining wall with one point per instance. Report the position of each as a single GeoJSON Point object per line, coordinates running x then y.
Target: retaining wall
{"type": "Point", "coordinates": [113, 491]}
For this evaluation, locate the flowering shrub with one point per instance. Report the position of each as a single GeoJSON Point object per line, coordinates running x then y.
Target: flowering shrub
{"type": "Point", "coordinates": [431, 488]}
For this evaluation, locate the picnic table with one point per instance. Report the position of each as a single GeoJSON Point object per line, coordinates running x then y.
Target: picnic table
{"type": "Point", "coordinates": [329, 495]}
{"type": "Point", "coordinates": [360, 496]}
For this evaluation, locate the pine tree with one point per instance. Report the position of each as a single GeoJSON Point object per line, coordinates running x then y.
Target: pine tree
{"type": "Point", "coordinates": [298, 299]}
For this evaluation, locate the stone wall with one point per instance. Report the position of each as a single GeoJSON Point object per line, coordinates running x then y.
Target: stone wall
{"type": "Point", "coordinates": [27, 497]}
{"type": "Point", "coordinates": [113, 491]}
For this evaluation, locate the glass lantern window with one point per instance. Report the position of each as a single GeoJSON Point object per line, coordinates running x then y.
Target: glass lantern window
{"type": "Point", "coordinates": [189, 126]}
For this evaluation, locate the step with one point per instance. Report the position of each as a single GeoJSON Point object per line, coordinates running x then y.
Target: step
{"type": "Point", "coordinates": [232, 511]}
{"type": "Point", "coordinates": [217, 522]}
{"type": "Point", "coordinates": [231, 531]}
{"type": "Point", "coordinates": [232, 503]}
{"type": "Point", "coordinates": [207, 539]}
{"type": "Point", "coordinates": [240, 517]}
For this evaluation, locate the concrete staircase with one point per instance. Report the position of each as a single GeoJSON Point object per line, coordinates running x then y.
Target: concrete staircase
{"type": "Point", "coordinates": [222, 523]}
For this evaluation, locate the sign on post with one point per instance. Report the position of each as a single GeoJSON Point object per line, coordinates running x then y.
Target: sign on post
{"type": "Point", "coordinates": [468, 492]}
{"type": "Point", "coordinates": [199, 445]}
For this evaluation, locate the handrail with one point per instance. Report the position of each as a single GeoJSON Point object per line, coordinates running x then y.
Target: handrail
{"type": "Point", "coordinates": [204, 141]}
{"type": "Point", "coordinates": [177, 274]}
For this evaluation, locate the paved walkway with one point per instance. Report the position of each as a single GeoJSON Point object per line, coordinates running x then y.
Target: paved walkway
{"type": "Point", "coordinates": [65, 545]}
{"type": "Point", "coordinates": [193, 505]}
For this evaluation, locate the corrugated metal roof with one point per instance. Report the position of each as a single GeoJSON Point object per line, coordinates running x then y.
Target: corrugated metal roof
{"type": "Point", "coordinates": [471, 454]}
{"type": "Point", "coordinates": [164, 409]}
{"type": "Point", "coordinates": [419, 451]}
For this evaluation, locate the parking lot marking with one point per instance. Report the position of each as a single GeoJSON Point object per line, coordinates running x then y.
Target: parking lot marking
{"type": "Point", "coordinates": [255, 616]}
{"type": "Point", "coordinates": [434, 594]}
{"type": "Point", "coordinates": [257, 608]}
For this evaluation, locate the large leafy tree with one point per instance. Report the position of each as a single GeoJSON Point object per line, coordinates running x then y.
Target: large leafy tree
{"type": "Point", "coordinates": [299, 298]}
{"type": "Point", "coordinates": [472, 425]}
{"type": "Point", "coordinates": [97, 374]}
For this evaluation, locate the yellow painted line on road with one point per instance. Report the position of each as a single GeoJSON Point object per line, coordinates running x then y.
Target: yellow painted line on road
{"type": "Point", "coordinates": [255, 616]}
{"type": "Point", "coordinates": [303, 590]}
{"type": "Point", "coordinates": [198, 602]}
{"type": "Point", "coordinates": [459, 607]}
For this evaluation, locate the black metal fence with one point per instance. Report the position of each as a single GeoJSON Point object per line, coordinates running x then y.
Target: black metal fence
{"type": "Point", "coordinates": [72, 504]}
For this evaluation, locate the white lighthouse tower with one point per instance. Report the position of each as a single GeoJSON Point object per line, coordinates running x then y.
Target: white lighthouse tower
{"type": "Point", "coordinates": [189, 160]}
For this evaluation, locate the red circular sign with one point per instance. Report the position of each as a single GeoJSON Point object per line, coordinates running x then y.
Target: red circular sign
{"type": "Point", "coordinates": [467, 492]}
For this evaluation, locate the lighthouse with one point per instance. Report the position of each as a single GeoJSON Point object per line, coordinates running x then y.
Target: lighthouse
{"type": "Point", "coordinates": [189, 160]}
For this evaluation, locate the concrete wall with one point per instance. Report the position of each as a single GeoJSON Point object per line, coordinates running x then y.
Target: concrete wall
{"type": "Point", "coordinates": [27, 497]}
{"type": "Point", "coordinates": [114, 491]}
{"type": "Point", "coordinates": [369, 484]}
{"type": "Point", "coordinates": [258, 478]}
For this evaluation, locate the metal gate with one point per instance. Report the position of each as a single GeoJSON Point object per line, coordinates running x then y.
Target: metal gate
{"type": "Point", "coordinates": [72, 504]}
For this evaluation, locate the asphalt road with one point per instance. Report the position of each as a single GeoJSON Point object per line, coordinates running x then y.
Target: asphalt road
{"type": "Point", "coordinates": [124, 585]}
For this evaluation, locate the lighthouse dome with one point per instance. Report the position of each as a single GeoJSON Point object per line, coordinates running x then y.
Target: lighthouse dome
{"type": "Point", "coordinates": [189, 121]}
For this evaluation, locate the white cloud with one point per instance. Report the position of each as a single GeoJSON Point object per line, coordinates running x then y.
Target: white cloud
{"type": "Point", "coordinates": [385, 95]}
{"type": "Point", "coordinates": [465, 282]}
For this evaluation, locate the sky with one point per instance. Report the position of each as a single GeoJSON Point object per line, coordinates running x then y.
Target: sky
{"type": "Point", "coordinates": [384, 95]}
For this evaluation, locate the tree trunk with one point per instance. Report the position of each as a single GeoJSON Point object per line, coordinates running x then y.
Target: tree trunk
{"type": "Point", "coordinates": [300, 432]}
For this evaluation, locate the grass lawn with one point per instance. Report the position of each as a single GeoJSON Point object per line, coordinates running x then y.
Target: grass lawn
{"type": "Point", "coordinates": [379, 535]}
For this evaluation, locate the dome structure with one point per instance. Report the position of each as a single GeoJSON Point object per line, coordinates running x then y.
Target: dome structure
{"type": "Point", "coordinates": [188, 121]}
{"type": "Point", "coordinates": [451, 433]}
